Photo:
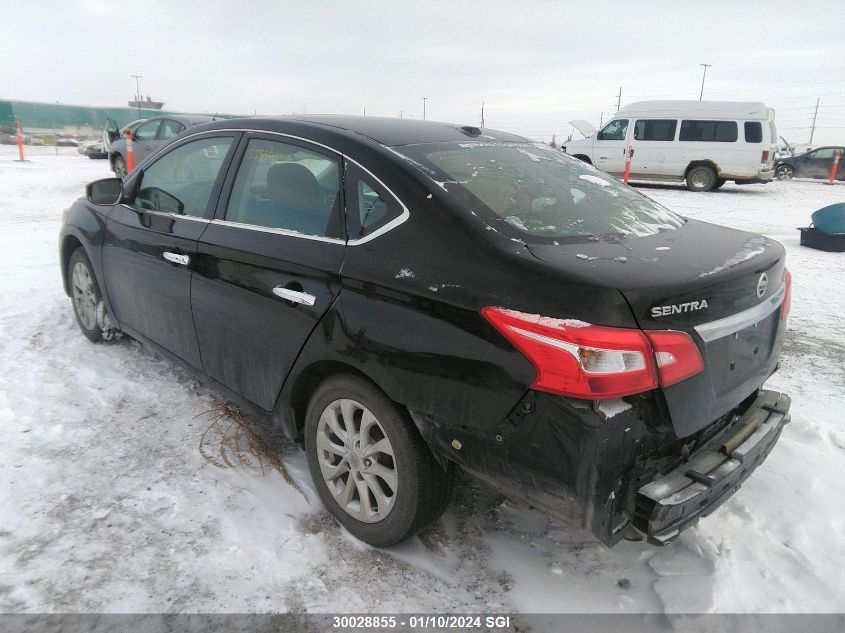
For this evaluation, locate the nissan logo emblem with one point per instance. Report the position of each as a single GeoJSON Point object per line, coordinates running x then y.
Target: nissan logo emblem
{"type": "Point", "coordinates": [762, 284]}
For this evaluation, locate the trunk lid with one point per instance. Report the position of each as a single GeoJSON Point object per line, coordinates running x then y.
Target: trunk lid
{"type": "Point", "coordinates": [719, 285]}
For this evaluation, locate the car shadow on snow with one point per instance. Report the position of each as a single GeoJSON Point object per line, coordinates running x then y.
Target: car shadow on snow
{"type": "Point", "coordinates": [745, 190]}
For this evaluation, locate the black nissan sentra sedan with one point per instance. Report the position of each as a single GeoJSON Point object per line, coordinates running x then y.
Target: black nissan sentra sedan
{"type": "Point", "coordinates": [408, 297]}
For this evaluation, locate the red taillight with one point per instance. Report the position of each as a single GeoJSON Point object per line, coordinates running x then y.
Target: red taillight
{"type": "Point", "coordinates": [765, 157]}
{"type": "Point", "coordinates": [676, 354]}
{"type": "Point", "coordinates": [594, 362]}
{"type": "Point", "coordinates": [787, 296]}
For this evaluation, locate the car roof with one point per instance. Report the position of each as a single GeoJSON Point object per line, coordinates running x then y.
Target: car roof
{"type": "Point", "coordinates": [710, 109]}
{"type": "Point", "coordinates": [190, 119]}
{"type": "Point", "coordinates": [388, 131]}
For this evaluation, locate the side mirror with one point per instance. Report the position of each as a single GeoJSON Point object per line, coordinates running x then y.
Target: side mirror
{"type": "Point", "coordinates": [105, 191]}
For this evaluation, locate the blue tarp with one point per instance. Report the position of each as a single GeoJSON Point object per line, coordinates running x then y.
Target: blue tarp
{"type": "Point", "coordinates": [830, 219]}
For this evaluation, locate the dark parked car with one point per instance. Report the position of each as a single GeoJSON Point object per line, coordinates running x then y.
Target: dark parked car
{"type": "Point", "coordinates": [814, 164]}
{"type": "Point", "coordinates": [404, 297]}
{"type": "Point", "coordinates": [96, 150]}
{"type": "Point", "coordinates": [148, 135]}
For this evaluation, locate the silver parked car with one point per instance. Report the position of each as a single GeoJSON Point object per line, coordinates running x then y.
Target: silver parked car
{"type": "Point", "coordinates": [148, 135]}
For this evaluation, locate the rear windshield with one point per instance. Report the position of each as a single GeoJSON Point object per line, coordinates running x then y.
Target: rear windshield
{"type": "Point", "coordinates": [539, 192]}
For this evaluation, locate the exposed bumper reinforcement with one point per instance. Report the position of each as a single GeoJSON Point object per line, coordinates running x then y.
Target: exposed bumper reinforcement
{"type": "Point", "coordinates": [670, 503]}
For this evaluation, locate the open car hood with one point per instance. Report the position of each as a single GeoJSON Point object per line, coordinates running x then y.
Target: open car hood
{"type": "Point", "coordinates": [585, 127]}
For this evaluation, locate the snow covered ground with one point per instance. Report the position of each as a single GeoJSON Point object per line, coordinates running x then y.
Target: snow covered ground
{"type": "Point", "coordinates": [107, 505]}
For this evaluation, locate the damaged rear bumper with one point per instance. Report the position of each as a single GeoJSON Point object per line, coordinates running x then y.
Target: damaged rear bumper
{"type": "Point", "coordinates": [677, 499]}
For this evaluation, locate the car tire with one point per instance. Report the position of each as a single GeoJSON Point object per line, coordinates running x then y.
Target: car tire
{"type": "Point", "coordinates": [719, 183]}
{"type": "Point", "coordinates": [85, 295]}
{"type": "Point", "coordinates": [701, 178]}
{"type": "Point", "coordinates": [784, 172]}
{"type": "Point", "coordinates": [119, 167]}
{"type": "Point", "coordinates": [404, 488]}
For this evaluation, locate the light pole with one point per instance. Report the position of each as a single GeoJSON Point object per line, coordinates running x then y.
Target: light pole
{"type": "Point", "coordinates": [701, 94]}
{"type": "Point", "coordinates": [424, 100]}
{"type": "Point", "coordinates": [138, 92]}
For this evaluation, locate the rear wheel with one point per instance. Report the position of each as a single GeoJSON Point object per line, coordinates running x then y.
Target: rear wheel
{"type": "Point", "coordinates": [119, 167]}
{"type": "Point", "coordinates": [369, 464]}
{"type": "Point", "coordinates": [784, 172]}
{"type": "Point", "coordinates": [701, 178]}
{"type": "Point", "coordinates": [719, 183]}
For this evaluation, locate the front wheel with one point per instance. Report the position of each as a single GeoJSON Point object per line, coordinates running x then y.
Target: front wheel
{"type": "Point", "coordinates": [370, 466]}
{"type": "Point", "coordinates": [701, 178]}
{"type": "Point", "coordinates": [119, 167]}
{"type": "Point", "coordinates": [85, 295]}
{"type": "Point", "coordinates": [784, 172]}
{"type": "Point", "coordinates": [88, 306]}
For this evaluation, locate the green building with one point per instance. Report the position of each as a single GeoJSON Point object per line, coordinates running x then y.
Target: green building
{"type": "Point", "coordinates": [39, 120]}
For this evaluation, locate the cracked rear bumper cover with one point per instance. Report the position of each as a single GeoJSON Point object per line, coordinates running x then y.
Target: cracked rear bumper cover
{"type": "Point", "coordinates": [674, 501]}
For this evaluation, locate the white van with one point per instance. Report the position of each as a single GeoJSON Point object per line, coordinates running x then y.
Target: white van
{"type": "Point", "coordinates": [704, 143]}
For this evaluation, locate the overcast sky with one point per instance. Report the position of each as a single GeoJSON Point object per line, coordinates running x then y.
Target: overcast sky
{"type": "Point", "coordinates": [536, 65]}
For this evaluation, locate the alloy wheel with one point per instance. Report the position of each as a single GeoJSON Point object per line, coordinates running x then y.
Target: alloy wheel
{"type": "Point", "coordinates": [120, 167]}
{"type": "Point", "coordinates": [357, 461]}
{"type": "Point", "coordinates": [84, 295]}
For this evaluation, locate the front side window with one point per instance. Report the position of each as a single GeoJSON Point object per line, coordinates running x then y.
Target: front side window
{"type": "Point", "coordinates": [284, 186]}
{"type": "Point", "coordinates": [826, 153]}
{"type": "Point", "coordinates": [614, 131]}
{"type": "Point", "coordinates": [753, 132]}
{"type": "Point", "coordinates": [655, 130]}
{"type": "Point", "coordinates": [708, 131]}
{"type": "Point", "coordinates": [537, 193]}
{"type": "Point", "coordinates": [170, 128]}
{"type": "Point", "coordinates": [147, 131]}
{"type": "Point", "coordinates": [181, 181]}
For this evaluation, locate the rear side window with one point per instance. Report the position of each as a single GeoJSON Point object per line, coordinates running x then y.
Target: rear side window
{"type": "Point", "coordinates": [536, 193]}
{"type": "Point", "coordinates": [753, 132]}
{"type": "Point", "coordinates": [614, 131]}
{"type": "Point", "coordinates": [655, 130]}
{"type": "Point", "coordinates": [181, 181]}
{"type": "Point", "coordinates": [709, 131]}
{"type": "Point", "coordinates": [170, 128]}
{"type": "Point", "coordinates": [284, 186]}
{"type": "Point", "coordinates": [370, 206]}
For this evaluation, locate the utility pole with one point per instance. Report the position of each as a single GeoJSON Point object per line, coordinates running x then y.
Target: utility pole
{"type": "Point", "coordinates": [365, 110]}
{"type": "Point", "coordinates": [401, 113]}
{"type": "Point", "coordinates": [601, 119]}
{"type": "Point", "coordinates": [482, 114]}
{"type": "Point", "coordinates": [815, 114]}
{"type": "Point", "coordinates": [619, 99]}
{"type": "Point", "coordinates": [138, 92]}
{"type": "Point", "coordinates": [424, 100]}
{"type": "Point", "coordinates": [701, 94]}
